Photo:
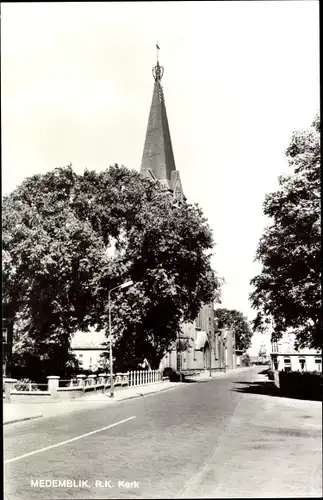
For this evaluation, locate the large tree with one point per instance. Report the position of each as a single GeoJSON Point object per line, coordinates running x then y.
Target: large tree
{"type": "Point", "coordinates": [68, 239]}
{"type": "Point", "coordinates": [235, 320]}
{"type": "Point", "coordinates": [287, 292]}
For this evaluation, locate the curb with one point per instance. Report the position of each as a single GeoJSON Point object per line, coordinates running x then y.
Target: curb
{"type": "Point", "coordinates": [23, 419]}
{"type": "Point", "coordinates": [139, 394]}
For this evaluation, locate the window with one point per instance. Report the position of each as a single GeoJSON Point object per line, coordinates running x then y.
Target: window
{"type": "Point", "coordinates": [318, 364]}
{"type": "Point", "coordinates": [287, 365]}
{"type": "Point", "coordinates": [302, 363]}
{"type": "Point", "coordinates": [4, 335]}
{"type": "Point", "coordinates": [275, 362]}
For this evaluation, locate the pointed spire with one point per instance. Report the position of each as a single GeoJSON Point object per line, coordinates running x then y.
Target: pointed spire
{"type": "Point", "coordinates": [158, 157]}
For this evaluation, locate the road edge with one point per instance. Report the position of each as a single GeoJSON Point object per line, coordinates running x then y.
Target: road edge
{"type": "Point", "coordinates": [14, 421]}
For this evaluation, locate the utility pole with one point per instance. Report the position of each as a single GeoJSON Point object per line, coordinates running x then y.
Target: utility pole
{"type": "Point", "coordinates": [124, 285]}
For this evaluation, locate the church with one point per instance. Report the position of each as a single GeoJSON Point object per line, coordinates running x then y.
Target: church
{"type": "Point", "coordinates": [208, 348]}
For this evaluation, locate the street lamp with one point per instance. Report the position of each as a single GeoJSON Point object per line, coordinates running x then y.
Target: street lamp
{"type": "Point", "coordinates": [124, 285]}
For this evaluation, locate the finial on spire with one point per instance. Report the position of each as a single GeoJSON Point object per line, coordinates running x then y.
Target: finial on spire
{"type": "Point", "coordinates": [158, 49]}
{"type": "Point", "coordinates": [158, 70]}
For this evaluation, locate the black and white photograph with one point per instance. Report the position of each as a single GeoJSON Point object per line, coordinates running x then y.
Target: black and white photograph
{"type": "Point", "coordinates": [161, 250]}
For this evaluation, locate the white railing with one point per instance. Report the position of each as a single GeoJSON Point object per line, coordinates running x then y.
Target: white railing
{"type": "Point", "coordinates": [83, 383]}
{"type": "Point", "coordinates": [29, 387]}
{"type": "Point", "coordinates": [144, 377]}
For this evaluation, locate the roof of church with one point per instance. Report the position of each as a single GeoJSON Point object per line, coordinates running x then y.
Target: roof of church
{"type": "Point", "coordinates": [158, 157]}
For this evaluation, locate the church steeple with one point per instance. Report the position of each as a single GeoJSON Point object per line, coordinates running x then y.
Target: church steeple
{"type": "Point", "coordinates": [158, 157]}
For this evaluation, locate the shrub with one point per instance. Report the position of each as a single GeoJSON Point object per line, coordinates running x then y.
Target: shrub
{"type": "Point", "coordinates": [23, 385]}
{"type": "Point", "coordinates": [172, 375]}
{"type": "Point", "coordinates": [246, 359]}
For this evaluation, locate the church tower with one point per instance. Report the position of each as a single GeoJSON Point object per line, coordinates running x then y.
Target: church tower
{"type": "Point", "coordinates": [158, 158]}
{"type": "Point", "coordinates": [159, 164]}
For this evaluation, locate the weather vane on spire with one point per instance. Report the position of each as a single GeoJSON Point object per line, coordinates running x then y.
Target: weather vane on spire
{"type": "Point", "coordinates": [158, 49]}
{"type": "Point", "coordinates": [158, 70]}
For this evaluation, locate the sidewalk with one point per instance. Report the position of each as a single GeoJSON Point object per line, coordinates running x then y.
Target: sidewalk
{"type": "Point", "coordinates": [19, 412]}
{"type": "Point", "coordinates": [205, 375]}
{"type": "Point", "coordinates": [272, 448]}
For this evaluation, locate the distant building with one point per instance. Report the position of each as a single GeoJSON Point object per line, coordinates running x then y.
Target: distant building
{"type": "Point", "coordinates": [284, 356]}
{"type": "Point", "coordinates": [88, 347]}
{"type": "Point", "coordinates": [214, 350]}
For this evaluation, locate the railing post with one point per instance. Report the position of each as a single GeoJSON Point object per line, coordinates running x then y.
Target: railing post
{"type": "Point", "coordinates": [102, 378]}
{"type": "Point", "coordinates": [52, 384]}
{"type": "Point", "coordinates": [126, 379]}
{"type": "Point", "coordinates": [81, 380]}
{"type": "Point", "coordinates": [92, 379]}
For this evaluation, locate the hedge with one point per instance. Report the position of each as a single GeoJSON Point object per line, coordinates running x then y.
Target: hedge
{"type": "Point", "coordinates": [306, 385]}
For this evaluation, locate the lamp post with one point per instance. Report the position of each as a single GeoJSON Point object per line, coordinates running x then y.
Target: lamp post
{"type": "Point", "coordinates": [124, 285]}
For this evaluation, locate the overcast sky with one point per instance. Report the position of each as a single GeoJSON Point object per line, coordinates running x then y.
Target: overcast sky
{"type": "Point", "coordinates": [239, 78]}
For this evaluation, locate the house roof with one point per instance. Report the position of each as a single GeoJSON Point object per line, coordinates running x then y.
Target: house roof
{"type": "Point", "coordinates": [91, 339]}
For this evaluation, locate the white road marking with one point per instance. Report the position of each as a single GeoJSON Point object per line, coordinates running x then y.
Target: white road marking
{"type": "Point", "coordinates": [68, 441]}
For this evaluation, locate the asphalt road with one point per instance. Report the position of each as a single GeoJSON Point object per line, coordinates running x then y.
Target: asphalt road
{"type": "Point", "coordinates": [159, 446]}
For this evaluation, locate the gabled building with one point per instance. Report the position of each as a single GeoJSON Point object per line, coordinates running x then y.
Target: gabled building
{"type": "Point", "coordinates": [285, 357]}
{"type": "Point", "coordinates": [88, 347]}
{"type": "Point", "coordinates": [207, 347]}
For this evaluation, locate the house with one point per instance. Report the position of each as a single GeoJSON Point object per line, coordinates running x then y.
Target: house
{"type": "Point", "coordinates": [88, 347]}
{"type": "Point", "coordinates": [285, 357]}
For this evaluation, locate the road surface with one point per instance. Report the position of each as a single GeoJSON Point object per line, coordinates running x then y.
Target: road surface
{"type": "Point", "coordinates": [206, 439]}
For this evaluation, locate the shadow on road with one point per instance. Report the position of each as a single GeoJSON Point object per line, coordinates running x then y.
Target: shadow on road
{"type": "Point", "coordinates": [268, 388]}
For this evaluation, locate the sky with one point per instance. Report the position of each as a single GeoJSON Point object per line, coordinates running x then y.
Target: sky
{"type": "Point", "coordinates": [240, 77]}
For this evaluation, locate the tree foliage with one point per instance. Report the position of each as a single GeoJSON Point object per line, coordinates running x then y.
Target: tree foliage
{"type": "Point", "coordinates": [230, 318]}
{"type": "Point", "coordinates": [68, 239]}
{"type": "Point", "coordinates": [288, 290]}
{"type": "Point", "coordinates": [262, 353]}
